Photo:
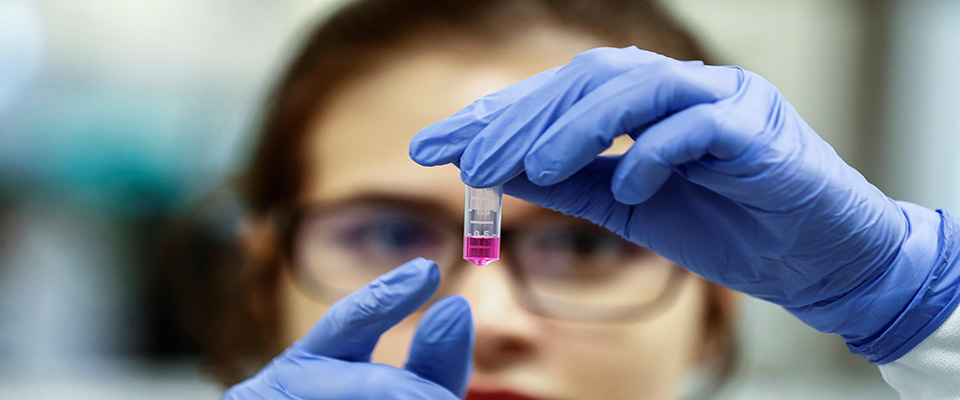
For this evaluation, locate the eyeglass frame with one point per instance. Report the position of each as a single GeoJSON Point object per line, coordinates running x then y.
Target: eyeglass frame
{"type": "Point", "coordinates": [288, 218]}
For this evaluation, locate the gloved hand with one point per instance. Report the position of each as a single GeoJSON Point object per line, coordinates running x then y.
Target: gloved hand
{"type": "Point", "coordinates": [332, 362]}
{"type": "Point", "coordinates": [724, 178]}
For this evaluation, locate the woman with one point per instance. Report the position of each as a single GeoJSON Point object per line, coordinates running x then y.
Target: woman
{"type": "Point", "coordinates": [572, 311]}
{"type": "Point", "coordinates": [336, 202]}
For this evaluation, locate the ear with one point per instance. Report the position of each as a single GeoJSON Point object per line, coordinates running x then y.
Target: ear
{"type": "Point", "coordinates": [720, 315]}
{"type": "Point", "coordinates": [260, 266]}
{"type": "Point", "coordinates": [260, 274]}
{"type": "Point", "coordinates": [718, 355]}
{"type": "Point", "coordinates": [260, 241]}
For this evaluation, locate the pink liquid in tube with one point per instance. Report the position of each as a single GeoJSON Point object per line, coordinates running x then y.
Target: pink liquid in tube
{"type": "Point", "coordinates": [481, 224]}
{"type": "Point", "coordinates": [481, 250]}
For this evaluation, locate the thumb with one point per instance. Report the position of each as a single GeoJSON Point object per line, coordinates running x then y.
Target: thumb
{"type": "Point", "coordinates": [442, 347]}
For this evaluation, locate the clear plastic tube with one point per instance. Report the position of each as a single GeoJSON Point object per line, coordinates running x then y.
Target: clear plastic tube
{"type": "Point", "coordinates": [481, 224]}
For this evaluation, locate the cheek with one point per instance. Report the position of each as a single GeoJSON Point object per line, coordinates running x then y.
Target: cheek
{"type": "Point", "coordinates": [395, 343]}
{"type": "Point", "coordinates": [648, 358]}
{"type": "Point", "coordinates": [299, 311]}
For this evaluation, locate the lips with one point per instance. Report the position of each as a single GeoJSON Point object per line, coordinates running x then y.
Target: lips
{"type": "Point", "coordinates": [475, 394]}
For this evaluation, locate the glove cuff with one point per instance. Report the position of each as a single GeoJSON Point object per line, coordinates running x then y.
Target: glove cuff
{"type": "Point", "coordinates": [925, 279]}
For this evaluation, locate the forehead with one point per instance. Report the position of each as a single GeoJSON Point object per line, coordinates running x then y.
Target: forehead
{"type": "Point", "coordinates": [359, 140]}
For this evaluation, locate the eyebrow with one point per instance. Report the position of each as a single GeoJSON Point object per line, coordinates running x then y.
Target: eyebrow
{"type": "Point", "coordinates": [420, 203]}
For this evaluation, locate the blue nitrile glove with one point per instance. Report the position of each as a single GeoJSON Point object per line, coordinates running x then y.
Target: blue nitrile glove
{"type": "Point", "coordinates": [332, 362]}
{"type": "Point", "coordinates": [724, 178]}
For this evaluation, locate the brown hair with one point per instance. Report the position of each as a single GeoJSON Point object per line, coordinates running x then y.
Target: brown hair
{"type": "Point", "coordinates": [240, 327]}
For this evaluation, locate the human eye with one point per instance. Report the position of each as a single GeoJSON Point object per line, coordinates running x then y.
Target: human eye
{"type": "Point", "coordinates": [575, 250]}
{"type": "Point", "coordinates": [580, 241]}
{"type": "Point", "coordinates": [387, 235]}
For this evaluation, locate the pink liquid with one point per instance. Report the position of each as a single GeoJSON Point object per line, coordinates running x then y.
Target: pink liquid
{"type": "Point", "coordinates": [481, 250]}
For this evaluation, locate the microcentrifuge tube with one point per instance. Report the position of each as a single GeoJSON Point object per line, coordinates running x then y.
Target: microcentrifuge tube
{"type": "Point", "coordinates": [481, 224]}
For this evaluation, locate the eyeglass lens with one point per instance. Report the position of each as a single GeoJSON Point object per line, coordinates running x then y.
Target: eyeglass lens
{"type": "Point", "coordinates": [556, 260]}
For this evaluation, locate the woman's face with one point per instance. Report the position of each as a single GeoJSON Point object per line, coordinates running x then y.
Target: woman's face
{"type": "Point", "coordinates": [358, 152]}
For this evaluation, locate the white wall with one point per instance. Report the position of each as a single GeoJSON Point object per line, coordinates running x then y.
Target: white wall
{"type": "Point", "coordinates": [921, 114]}
{"type": "Point", "coordinates": [811, 50]}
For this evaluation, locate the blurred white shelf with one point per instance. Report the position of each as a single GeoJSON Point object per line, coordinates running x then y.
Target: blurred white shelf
{"type": "Point", "coordinates": [107, 379]}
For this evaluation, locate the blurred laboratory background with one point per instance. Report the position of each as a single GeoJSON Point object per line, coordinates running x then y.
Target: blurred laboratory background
{"type": "Point", "coordinates": [117, 115]}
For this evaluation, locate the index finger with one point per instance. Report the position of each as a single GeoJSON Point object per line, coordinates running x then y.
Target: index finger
{"type": "Point", "coordinates": [444, 141]}
{"type": "Point", "coordinates": [351, 328]}
{"type": "Point", "coordinates": [627, 104]}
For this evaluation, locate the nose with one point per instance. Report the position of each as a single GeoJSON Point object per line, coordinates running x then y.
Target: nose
{"type": "Point", "coordinates": [506, 333]}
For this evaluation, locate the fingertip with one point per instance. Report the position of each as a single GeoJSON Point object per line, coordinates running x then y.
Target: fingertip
{"type": "Point", "coordinates": [416, 153]}
{"type": "Point", "coordinates": [467, 161]}
{"type": "Point", "coordinates": [423, 152]}
{"type": "Point", "coordinates": [449, 320]}
{"type": "Point", "coordinates": [632, 183]}
{"type": "Point", "coordinates": [476, 181]}
{"type": "Point", "coordinates": [433, 271]}
{"type": "Point", "coordinates": [428, 268]}
{"type": "Point", "coordinates": [630, 197]}
{"type": "Point", "coordinates": [545, 178]}
{"type": "Point", "coordinates": [626, 193]}
{"type": "Point", "coordinates": [450, 305]}
{"type": "Point", "coordinates": [421, 261]}
{"type": "Point", "coordinates": [537, 173]}
{"type": "Point", "coordinates": [466, 178]}
{"type": "Point", "coordinates": [442, 346]}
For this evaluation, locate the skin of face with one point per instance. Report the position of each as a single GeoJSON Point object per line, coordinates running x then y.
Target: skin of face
{"type": "Point", "coordinates": [359, 144]}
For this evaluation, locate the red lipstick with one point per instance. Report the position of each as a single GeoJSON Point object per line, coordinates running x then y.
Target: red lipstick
{"type": "Point", "coordinates": [474, 394]}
